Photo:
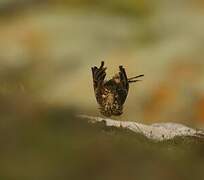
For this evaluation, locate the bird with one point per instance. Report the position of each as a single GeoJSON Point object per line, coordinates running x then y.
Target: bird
{"type": "Point", "coordinates": [111, 94]}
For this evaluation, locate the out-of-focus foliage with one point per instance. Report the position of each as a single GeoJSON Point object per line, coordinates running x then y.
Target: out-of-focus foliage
{"type": "Point", "coordinates": [128, 7]}
{"type": "Point", "coordinates": [46, 51]}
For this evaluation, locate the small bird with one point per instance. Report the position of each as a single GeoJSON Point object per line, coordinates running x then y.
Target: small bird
{"type": "Point", "coordinates": [111, 94]}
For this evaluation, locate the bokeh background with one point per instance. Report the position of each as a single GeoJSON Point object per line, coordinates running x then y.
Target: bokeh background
{"type": "Point", "coordinates": [47, 48]}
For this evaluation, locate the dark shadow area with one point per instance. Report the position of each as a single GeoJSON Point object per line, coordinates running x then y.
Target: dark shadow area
{"type": "Point", "coordinates": [46, 142]}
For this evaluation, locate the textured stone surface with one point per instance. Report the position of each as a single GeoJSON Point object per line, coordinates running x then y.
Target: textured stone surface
{"type": "Point", "coordinates": [156, 132]}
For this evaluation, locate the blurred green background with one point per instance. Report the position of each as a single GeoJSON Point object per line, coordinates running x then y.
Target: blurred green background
{"type": "Point", "coordinates": [46, 50]}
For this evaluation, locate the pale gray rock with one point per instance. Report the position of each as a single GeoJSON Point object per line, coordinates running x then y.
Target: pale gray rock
{"type": "Point", "coordinates": [156, 132]}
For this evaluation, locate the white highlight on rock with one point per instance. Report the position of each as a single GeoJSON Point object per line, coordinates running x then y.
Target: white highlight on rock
{"type": "Point", "coordinates": [156, 132]}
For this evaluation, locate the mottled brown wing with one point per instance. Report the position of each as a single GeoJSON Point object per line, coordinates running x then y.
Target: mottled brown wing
{"type": "Point", "coordinates": [99, 75]}
{"type": "Point", "coordinates": [124, 85]}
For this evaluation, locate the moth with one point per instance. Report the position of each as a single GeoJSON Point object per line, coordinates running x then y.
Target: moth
{"type": "Point", "coordinates": [111, 94]}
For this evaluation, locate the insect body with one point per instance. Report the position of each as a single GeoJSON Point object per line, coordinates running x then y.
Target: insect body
{"type": "Point", "coordinates": [111, 94]}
